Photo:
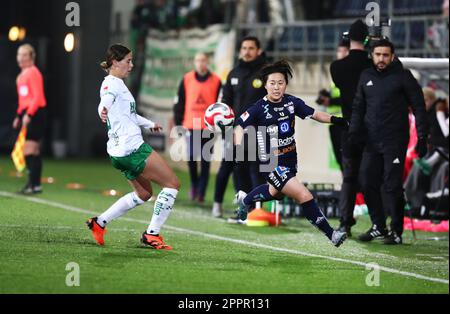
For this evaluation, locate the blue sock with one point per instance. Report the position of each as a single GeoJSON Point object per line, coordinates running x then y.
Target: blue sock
{"type": "Point", "coordinates": [258, 194]}
{"type": "Point", "coordinates": [316, 217]}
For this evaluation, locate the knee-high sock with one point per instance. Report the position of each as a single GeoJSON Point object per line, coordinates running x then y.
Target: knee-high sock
{"type": "Point", "coordinates": [258, 194]}
{"type": "Point", "coordinates": [317, 218]}
{"type": "Point", "coordinates": [37, 171]}
{"type": "Point", "coordinates": [120, 208]}
{"type": "Point", "coordinates": [163, 208]}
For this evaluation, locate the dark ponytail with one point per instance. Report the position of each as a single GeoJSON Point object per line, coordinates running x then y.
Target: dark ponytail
{"type": "Point", "coordinates": [115, 52]}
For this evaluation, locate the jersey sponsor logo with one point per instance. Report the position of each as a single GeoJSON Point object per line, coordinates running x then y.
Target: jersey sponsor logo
{"type": "Point", "coordinates": [279, 152]}
{"type": "Point", "coordinates": [200, 100]}
{"type": "Point", "coordinates": [289, 104]}
{"type": "Point", "coordinates": [105, 88]}
{"type": "Point", "coordinates": [369, 83]}
{"type": "Point", "coordinates": [132, 107]}
{"type": "Point", "coordinates": [283, 118]}
{"type": "Point", "coordinates": [245, 116]}
{"type": "Point", "coordinates": [278, 109]}
{"type": "Point", "coordinates": [286, 141]}
{"type": "Point", "coordinates": [234, 81]}
{"type": "Point", "coordinates": [284, 127]}
{"type": "Point", "coordinates": [257, 83]}
{"type": "Point", "coordinates": [266, 111]}
{"type": "Point", "coordinates": [272, 129]}
{"type": "Point", "coordinates": [23, 91]}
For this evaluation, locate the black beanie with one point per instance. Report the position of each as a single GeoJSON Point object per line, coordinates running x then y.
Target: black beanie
{"type": "Point", "coordinates": [358, 31]}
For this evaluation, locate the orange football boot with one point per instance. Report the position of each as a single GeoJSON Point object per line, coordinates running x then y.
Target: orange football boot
{"type": "Point", "coordinates": [155, 242]}
{"type": "Point", "coordinates": [97, 231]}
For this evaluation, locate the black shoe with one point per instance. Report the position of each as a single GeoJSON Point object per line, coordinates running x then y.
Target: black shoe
{"type": "Point", "coordinates": [26, 190]}
{"type": "Point", "coordinates": [30, 190]}
{"type": "Point", "coordinates": [346, 229]}
{"type": "Point", "coordinates": [392, 238]}
{"type": "Point", "coordinates": [373, 233]}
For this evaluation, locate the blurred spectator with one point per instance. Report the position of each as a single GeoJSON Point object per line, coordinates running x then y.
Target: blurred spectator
{"type": "Point", "coordinates": [427, 174]}
{"type": "Point", "coordinates": [345, 74]}
{"type": "Point", "coordinates": [332, 101]}
{"type": "Point", "coordinates": [198, 89]}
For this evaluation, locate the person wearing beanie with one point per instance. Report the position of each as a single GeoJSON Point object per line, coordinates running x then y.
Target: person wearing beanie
{"type": "Point", "coordinates": [345, 75]}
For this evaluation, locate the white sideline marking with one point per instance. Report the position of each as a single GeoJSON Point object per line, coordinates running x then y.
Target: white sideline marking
{"type": "Point", "coordinates": [217, 237]}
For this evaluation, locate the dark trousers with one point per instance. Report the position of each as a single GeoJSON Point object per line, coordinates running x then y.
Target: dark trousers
{"type": "Point", "coordinates": [195, 146]}
{"type": "Point", "coordinates": [383, 165]}
{"type": "Point", "coordinates": [223, 176]}
{"type": "Point", "coordinates": [336, 140]}
{"type": "Point", "coordinates": [351, 162]}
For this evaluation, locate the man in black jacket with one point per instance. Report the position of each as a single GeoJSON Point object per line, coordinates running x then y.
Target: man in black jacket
{"type": "Point", "coordinates": [385, 92]}
{"type": "Point", "coordinates": [345, 74]}
{"type": "Point", "coordinates": [243, 88]}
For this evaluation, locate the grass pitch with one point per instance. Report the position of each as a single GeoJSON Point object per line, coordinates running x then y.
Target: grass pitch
{"type": "Point", "coordinates": [41, 235]}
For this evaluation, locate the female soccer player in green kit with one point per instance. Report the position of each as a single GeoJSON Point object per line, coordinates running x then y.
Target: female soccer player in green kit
{"type": "Point", "coordinates": [129, 154]}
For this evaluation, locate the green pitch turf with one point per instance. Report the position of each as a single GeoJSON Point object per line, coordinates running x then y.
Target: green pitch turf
{"type": "Point", "coordinates": [41, 235]}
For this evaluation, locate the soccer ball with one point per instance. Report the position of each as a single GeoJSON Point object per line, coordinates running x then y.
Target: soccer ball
{"type": "Point", "coordinates": [218, 116]}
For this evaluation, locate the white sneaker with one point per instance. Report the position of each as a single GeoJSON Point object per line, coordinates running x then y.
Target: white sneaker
{"type": "Point", "coordinates": [338, 238]}
{"type": "Point", "coordinates": [236, 220]}
{"type": "Point", "coordinates": [217, 210]}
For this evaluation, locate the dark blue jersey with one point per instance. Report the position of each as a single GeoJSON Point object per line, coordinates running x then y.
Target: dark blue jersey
{"type": "Point", "coordinates": [275, 127]}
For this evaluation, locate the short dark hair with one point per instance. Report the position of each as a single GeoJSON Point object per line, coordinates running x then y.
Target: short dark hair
{"type": "Point", "coordinates": [251, 38]}
{"type": "Point", "coordinates": [281, 66]}
{"type": "Point", "coordinates": [383, 43]}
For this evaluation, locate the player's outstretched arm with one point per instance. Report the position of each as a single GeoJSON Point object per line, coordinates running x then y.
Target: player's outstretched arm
{"type": "Point", "coordinates": [325, 117]}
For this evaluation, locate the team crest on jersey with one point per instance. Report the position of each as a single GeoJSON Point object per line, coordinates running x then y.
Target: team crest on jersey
{"type": "Point", "coordinates": [291, 109]}
{"type": "Point", "coordinates": [105, 88]}
{"type": "Point", "coordinates": [234, 81]}
{"type": "Point", "coordinates": [257, 83]}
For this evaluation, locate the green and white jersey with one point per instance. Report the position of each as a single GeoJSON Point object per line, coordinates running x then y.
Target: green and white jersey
{"type": "Point", "coordinates": [123, 122]}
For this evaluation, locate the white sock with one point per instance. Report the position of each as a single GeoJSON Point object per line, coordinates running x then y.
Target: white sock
{"type": "Point", "coordinates": [163, 207]}
{"type": "Point", "coordinates": [120, 208]}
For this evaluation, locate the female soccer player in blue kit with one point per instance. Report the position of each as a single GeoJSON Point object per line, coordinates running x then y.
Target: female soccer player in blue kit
{"type": "Point", "coordinates": [276, 112]}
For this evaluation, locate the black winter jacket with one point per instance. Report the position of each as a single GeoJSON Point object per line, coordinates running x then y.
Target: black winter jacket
{"type": "Point", "coordinates": [244, 86]}
{"type": "Point", "coordinates": [381, 105]}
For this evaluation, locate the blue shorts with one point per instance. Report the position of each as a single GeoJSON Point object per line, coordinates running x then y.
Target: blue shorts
{"type": "Point", "coordinates": [280, 176]}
